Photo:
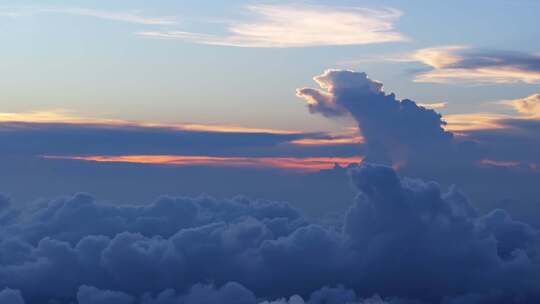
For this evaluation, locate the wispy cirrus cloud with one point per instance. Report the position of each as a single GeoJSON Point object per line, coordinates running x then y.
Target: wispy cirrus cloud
{"type": "Point", "coordinates": [462, 64]}
{"type": "Point", "coordinates": [300, 26]}
{"type": "Point", "coordinates": [121, 16]}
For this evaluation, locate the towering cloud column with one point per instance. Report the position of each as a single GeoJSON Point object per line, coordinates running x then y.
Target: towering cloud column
{"type": "Point", "coordinates": [396, 131]}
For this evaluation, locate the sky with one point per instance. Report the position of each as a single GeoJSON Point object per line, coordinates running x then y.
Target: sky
{"type": "Point", "coordinates": [99, 59]}
{"type": "Point", "coordinates": [269, 152]}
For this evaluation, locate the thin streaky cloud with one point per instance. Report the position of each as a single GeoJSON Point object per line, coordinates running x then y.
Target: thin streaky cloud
{"type": "Point", "coordinates": [304, 164]}
{"type": "Point", "coordinates": [63, 116]}
{"type": "Point", "coordinates": [466, 65]}
{"type": "Point", "coordinates": [434, 106]}
{"type": "Point", "coordinates": [465, 122]}
{"type": "Point", "coordinates": [528, 106]}
{"type": "Point", "coordinates": [282, 26]}
{"type": "Point", "coordinates": [121, 16]}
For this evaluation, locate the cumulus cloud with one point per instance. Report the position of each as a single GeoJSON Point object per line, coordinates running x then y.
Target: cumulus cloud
{"type": "Point", "coordinates": [393, 129]}
{"type": "Point", "coordinates": [399, 236]}
{"type": "Point", "coordinates": [470, 148]}
{"type": "Point", "coordinates": [300, 25]}
{"type": "Point", "coordinates": [462, 64]}
{"type": "Point", "coordinates": [415, 137]}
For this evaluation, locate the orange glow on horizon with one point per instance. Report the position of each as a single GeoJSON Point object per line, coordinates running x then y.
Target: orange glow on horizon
{"type": "Point", "coordinates": [307, 164]}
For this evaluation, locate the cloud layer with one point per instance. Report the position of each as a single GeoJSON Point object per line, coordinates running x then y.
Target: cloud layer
{"type": "Point", "coordinates": [300, 26]}
{"type": "Point", "coordinates": [400, 236]}
{"type": "Point", "coordinates": [121, 138]}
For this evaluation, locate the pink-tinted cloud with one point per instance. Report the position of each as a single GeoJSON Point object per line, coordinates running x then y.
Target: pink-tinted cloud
{"type": "Point", "coordinates": [300, 25]}
{"type": "Point", "coordinates": [289, 163]}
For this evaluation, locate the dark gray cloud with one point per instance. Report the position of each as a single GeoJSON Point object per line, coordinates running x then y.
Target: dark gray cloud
{"type": "Point", "coordinates": [517, 140]}
{"type": "Point", "coordinates": [399, 236]}
{"type": "Point", "coordinates": [478, 58]}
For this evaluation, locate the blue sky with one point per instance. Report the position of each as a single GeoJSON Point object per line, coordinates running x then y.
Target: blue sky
{"type": "Point", "coordinates": [83, 56]}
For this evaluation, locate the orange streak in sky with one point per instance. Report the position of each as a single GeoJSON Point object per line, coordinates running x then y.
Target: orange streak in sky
{"type": "Point", "coordinates": [328, 141]}
{"type": "Point", "coordinates": [65, 117]}
{"type": "Point", "coordinates": [306, 164]}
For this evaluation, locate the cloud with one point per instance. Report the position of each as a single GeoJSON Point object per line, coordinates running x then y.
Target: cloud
{"type": "Point", "coordinates": [465, 122]}
{"type": "Point", "coordinates": [399, 236]}
{"type": "Point", "coordinates": [470, 148]}
{"type": "Point", "coordinates": [515, 140]}
{"type": "Point", "coordinates": [11, 296]}
{"type": "Point", "coordinates": [59, 135]}
{"type": "Point", "coordinates": [300, 26]}
{"type": "Point", "coordinates": [229, 293]}
{"type": "Point", "coordinates": [128, 17]}
{"type": "Point", "coordinates": [462, 64]}
{"type": "Point", "coordinates": [118, 137]}
{"type": "Point", "coordinates": [406, 134]}
{"type": "Point", "coordinates": [301, 164]}
{"type": "Point", "coordinates": [393, 129]}
{"type": "Point", "coordinates": [92, 295]}
{"type": "Point", "coordinates": [434, 106]}
{"type": "Point", "coordinates": [528, 106]}
{"type": "Point", "coordinates": [63, 116]}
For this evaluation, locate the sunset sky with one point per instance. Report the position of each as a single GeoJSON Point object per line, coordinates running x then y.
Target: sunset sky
{"type": "Point", "coordinates": [195, 62]}
{"type": "Point", "coordinates": [269, 152]}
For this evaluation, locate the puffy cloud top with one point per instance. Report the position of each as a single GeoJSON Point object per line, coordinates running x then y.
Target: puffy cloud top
{"type": "Point", "coordinates": [402, 238]}
{"type": "Point", "coordinates": [393, 129]}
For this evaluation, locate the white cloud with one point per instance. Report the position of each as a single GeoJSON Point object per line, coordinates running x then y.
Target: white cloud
{"type": "Point", "coordinates": [300, 26]}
